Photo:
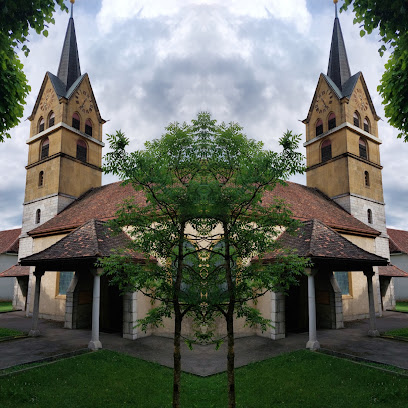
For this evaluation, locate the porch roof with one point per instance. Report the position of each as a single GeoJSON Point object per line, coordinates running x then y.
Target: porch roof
{"type": "Point", "coordinates": [392, 271]}
{"type": "Point", "coordinates": [326, 247]}
{"type": "Point", "coordinates": [15, 271]}
{"type": "Point", "coordinates": [81, 248]}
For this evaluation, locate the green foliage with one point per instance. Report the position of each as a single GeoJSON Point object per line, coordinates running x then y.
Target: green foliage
{"type": "Point", "coordinates": [16, 19]}
{"type": "Point", "coordinates": [391, 19]}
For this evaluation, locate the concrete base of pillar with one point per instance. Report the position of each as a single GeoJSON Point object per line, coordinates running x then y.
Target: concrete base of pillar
{"type": "Point", "coordinates": [34, 333]}
{"type": "Point", "coordinates": [277, 336]}
{"type": "Point", "coordinates": [130, 336]}
{"type": "Point", "coordinates": [373, 333]}
{"type": "Point", "coordinates": [95, 345]}
{"type": "Point", "coordinates": [313, 345]}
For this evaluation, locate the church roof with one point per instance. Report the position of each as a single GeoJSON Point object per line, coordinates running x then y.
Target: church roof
{"type": "Point", "coordinates": [338, 69]}
{"type": "Point", "coordinates": [315, 240]}
{"type": "Point", "coordinates": [92, 240]}
{"type": "Point", "coordinates": [9, 240]}
{"type": "Point", "coordinates": [398, 240]}
{"type": "Point", "coordinates": [69, 69]}
{"type": "Point", "coordinates": [102, 203]}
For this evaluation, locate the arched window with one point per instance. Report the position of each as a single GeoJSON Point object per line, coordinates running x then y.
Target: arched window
{"type": "Point", "coordinates": [326, 150]}
{"type": "Point", "coordinates": [41, 179]}
{"type": "Point", "coordinates": [369, 216]}
{"type": "Point", "coordinates": [362, 147]}
{"type": "Point", "coordinates": [332, 121]}
{"type": "Point", "coordinates": [76, 121]}
{"type": "Point", "coordinates": [366, 125]}
{"type": "Point", "coordinates": [319, 127]}
{"type": "Point", "coordinates": [81, 150]}
{"type": "Point", "coordinates": [367, 178]}
{"type": "Point", "coordinates": [41, 125]}
{"type": "Point", "coordinates": [38, 216]}
{"type": "Point", "coordinates": [51, 119]}
{"type": "Point", "coordinates": [88, 127]}
{"type": "Point", "coordinates": [356, 119]}
{"type": "Point", "coordinates": [45, 148]}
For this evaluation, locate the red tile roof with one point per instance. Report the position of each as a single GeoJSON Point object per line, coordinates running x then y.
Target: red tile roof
{"type": "Point", "coordinates": [92, 240]}
{"type": "Point", "coordinates": [316, 240]}
{"type": "Point", "coordinates": [398, 240]}
{"type": "Point", "coordinates": [102, 203]}
{"type": "Point", "coordinates": [15, 271]}
{"type": "Point", "coordinates": [9, 240]}
{"type": "Point", "coordinates": [393, 271]}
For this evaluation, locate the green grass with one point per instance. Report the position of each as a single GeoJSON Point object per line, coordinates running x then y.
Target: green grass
{"type": "Point", "coordinates": [6, 307]}
{"type": "Point", "coordinates": [9, 332]}
{"type": "Point", "coordinates": [301, 379]}
{"type": "Point", "coordinates": [401, 307]}
{"type": "Point", "coordinates": [398, 332]}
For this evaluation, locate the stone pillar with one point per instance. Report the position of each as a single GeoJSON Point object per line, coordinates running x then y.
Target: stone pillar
{"type": "Point", "coordinates": [34, 332]}
{"type": "Point", "coordinates": [69, 303]}
{"type": "Point", "coordinates": [95, 344]}
{"type": "Point", "coordinates": [338, 304]}
{"type": "Point", "coordinates": [130, 330]}
{"type": "Point", "coordinates": [278, 315]}
{"type": "Point", "coordinates": [312, 344]}
{"type": "Point", "coordinates": [373, 332]}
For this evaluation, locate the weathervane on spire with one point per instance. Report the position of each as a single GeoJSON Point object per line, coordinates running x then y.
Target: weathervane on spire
{"type": "Point", "coordinates": [72, 8]}
{"type": "Point", "coordinates": [334, 1]}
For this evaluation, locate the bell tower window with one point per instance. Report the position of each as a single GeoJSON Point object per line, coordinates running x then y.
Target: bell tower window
{"type": "Point", "coordinates": [76, 121]}
{"type": "Point", "coordinates": [81, 150]}
{"type": "Point", "coordinates": [41, 125]}
{"type": "Point", "coordinates": [51, 119]}
{"type": "Point", "coordinates": [319, 127]}
{"type": "Point", "coordinates": [332, 121]}
{"type": "Point", "coordinates": [41, 179]}
{"type": "Point", "coordinates": [367, 179]}
{"type": "Point", "coordinates": [362, 147]}
{"type": "Point", "coordinates": [45, 148]}
{"type": "Point", "coordinates": [326, 150]}
{"type": "Point", "coordinates": [38, 216]}
{"type": "Point", "coordinates": [356, 119]}
{"type": "Point", "coordinates": [366, 125]}
{"type": "Point", "coordinates": [88, 127]}
{"type": "Point", "coordinates": [369, 216]}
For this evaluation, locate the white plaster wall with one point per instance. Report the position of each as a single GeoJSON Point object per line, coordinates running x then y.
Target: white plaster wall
{"type": "Point", "coordinates": [400, 284]}
{"type": "Point", "coordinates": [7, 284]}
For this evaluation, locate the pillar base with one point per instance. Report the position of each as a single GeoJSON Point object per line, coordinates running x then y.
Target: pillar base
{"type": "Point", "coordinates": [313, 345]}
{"type": "Point", "coordinates": [95, 345]}
{"type": "Point", "coordinates": [34, 333]}
{"type": "Point", "coordinates": [373, 333]}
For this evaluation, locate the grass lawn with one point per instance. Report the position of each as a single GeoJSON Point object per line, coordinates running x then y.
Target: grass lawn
{"type": "Point", "coordinates": [9, 332]}
{"type": "Point", "coordinates": [398, 332]}
{"type": "Point", "coordinates": [301, 379]}
{"type": "Point", "coordinates": [401, 307]}
{"type": "Point", "coordinates": [6, 307]}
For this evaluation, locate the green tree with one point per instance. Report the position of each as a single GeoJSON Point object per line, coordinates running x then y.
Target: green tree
{"type": "Point", "coordinates": [156, 218]}
{"type": "Point", "coordinates": [16, 18]}
{"type": "Point", "coordinates": [242, 174]}
{"type": "Point", "coordinates": [391, 19]}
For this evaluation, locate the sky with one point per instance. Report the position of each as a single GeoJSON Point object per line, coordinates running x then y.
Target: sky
{"type": "Point", "coordinates": [152, 62]}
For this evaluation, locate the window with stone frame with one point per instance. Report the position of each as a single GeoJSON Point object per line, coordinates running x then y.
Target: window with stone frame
{"type": "Point", "coordinates": [366, 125]}
{"type": "Point", "coordinates": [88, 127]}
{"type": "Point", "coordinates": [343, 280]}
{"type": "Point", "coordinates": [41, 179]}
{"type": "Point", "coordinates": [319, 127]}
{"type": "Point", "coordinates": [38, 216]}
{"type": "Point", "coordinates": [81, 151]}
{"type": "Point", "coordinates": [356, 119]}
{"type": "Point", "coordinates": [64, 281]}
{"type": "Point", "coordinates": [45, 148]}
{"type": "Point", "coordinates": [332, 121]}
{"type": "Point", "coordinates": [76, 121]}
{"type": "Point", "coordinates": [369, 216]}
{"type": "Point", "coordinates": [326, 150]}
{"type": "Point", "coordinates": [51, 119]}
{"type": "Point", "coordinates": [362, 147]}
{"type": "Point", "coordinates": [41, 125]}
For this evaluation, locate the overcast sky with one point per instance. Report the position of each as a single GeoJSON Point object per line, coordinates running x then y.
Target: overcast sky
{"type": "Point", "coordinates": [152, 62]}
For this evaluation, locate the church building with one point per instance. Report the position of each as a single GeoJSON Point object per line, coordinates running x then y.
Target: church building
{"type": "Point", "coordinates": [341, 209]}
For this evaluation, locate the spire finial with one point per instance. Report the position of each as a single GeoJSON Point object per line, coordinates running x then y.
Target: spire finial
{"type": "Point", "coordinates": [72, 8]}
{"type": "Point", "coordinates": [334, 1]}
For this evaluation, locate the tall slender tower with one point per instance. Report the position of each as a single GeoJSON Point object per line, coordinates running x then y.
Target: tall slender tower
{"type": "Point", "coordinates": [65, 143]}
{"type": "Point", "coordinates": [342, 143]}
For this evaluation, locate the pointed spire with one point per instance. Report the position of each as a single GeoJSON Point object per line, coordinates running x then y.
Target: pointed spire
{"type": "Point", "coordinates": [69, 69]}
{"type": "Point", "coordinates": [339, 69]}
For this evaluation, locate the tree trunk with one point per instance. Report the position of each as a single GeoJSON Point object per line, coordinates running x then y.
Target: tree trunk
{"type": "Point", "coordinates": [231, 361]}
{"type": "Point", "coordinates": [177, 359]}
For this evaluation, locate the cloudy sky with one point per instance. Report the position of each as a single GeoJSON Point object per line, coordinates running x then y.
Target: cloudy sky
{"type": "Point", "coordinates": [152, 62]}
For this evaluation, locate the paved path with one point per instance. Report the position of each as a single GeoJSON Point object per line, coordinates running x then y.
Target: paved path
{"type": "Point", "coordinates": [202, 360]}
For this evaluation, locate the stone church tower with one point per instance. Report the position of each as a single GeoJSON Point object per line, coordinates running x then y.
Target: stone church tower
{"type": "Point", "coordinates": [342, 142]}
{"type": "Point", "coordinates": [65, 143]}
